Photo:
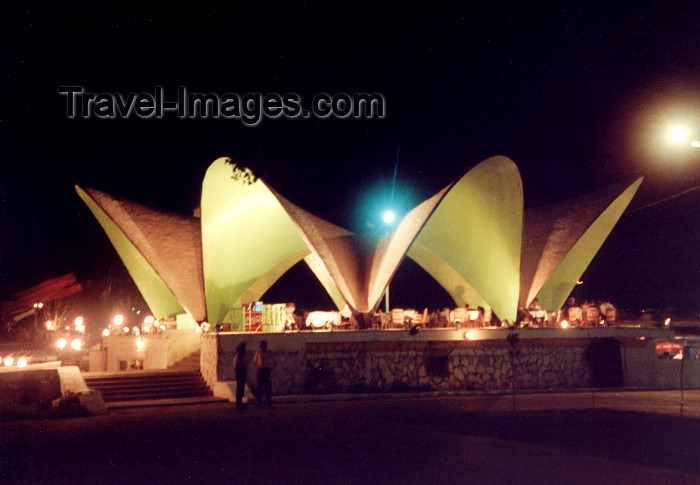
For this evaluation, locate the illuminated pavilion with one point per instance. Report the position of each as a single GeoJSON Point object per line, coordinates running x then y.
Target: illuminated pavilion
{"type": "Point", "coordinates": [473, 237]}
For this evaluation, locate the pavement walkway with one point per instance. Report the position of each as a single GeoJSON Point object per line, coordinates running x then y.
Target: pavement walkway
{"type": "Point", "coordinates": [627, 437]}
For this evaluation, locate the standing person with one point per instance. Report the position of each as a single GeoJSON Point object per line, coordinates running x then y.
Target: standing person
{"type": "Point", "coordinates": [264, 362]}
{"type": "Point", "coordinates": [241, 369]}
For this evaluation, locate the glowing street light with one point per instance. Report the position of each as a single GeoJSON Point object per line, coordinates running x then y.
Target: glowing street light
{"type": "Point", "coordinates": [681, 135]}
{"type": "Point", "coordinates": [678, 134]}
{"type": "Point", "coordinates": [79, 327]}
{"type": "Point", "coordinates": [118, 319]}
{"type": "Point", "coordinates": [389, 217]}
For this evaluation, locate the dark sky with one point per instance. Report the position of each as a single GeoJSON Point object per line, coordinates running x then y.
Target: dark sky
{"type": "Point", "coordinates": [574, 94]}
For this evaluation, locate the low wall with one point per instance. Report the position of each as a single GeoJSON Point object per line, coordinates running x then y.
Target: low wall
{"type": "Point", "coordinates": [39, 384]}
{"type": "Point", "coordinates": [445, 360]}
{"type": "Point", "coordinates": [646, 370]}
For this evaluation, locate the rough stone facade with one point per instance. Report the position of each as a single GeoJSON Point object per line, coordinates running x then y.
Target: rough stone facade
{"type": "Point", "coordinates": [440, 366]}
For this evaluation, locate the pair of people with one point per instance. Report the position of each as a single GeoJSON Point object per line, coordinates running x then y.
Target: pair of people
{"type": "Point", "coordinates": [264, 362]}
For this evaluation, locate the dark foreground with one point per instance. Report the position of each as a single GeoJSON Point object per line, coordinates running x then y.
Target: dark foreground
{"type": "Point", "coordinates": [550, 439]}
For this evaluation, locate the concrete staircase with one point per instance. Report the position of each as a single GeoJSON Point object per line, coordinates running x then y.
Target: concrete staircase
{"type": "Point", "coordinates": [149, 386]}
{"type": "Point", "coordinates": [189, 363]}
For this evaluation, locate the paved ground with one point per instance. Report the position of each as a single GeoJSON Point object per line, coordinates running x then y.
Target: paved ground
{"type": "Point", "coordinates": [634, 438]}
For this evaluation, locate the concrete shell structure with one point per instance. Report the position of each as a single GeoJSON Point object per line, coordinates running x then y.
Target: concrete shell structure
{"type": "Point", "coordinates": [162, 252]}
{"type": "Point", "coordinates": [473, 237]}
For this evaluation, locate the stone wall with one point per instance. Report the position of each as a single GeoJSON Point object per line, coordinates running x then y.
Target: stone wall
{"type": "Point", "coordinates": [440, 366]}
{"type": "Point", "coordinates": [432, 360]}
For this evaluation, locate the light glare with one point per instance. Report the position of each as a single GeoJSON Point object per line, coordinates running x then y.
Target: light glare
{"type": "Point", "coordinates": [22, 362]}
{"type": "Point", "coordinates": [564, 324]}
{"type": "Point", "coordinates": [389, 217]}
{"type": "Point", "coordinates": [61, 343]}
{"type": "Point", "coordinates": [76, 344]}
{"type": "Point", "coordinates": [678, 134]}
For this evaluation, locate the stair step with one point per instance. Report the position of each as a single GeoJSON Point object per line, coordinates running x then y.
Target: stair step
{"type": "Point", "coordinates": [154, 390]}
{"type": "Point", "coordinates": [150, 385]}
{"type": "Point", "coordinates": [145, 382]}
{"type": "Point", "coordinates": [153, 396]}
{"type": "Point", "coordinates": [108, 389]}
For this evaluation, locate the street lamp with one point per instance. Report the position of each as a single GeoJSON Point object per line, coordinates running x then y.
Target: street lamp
{"type": "Point", "coordinates": [79, 325]}
{"type": "Point", "coordinates": [681, 135]}
{"type": "Point", "coordinates": [388, 217]}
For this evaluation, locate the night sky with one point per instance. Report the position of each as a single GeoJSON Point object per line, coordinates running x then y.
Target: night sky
{"type": "Point", "coordinates": [576, 95]}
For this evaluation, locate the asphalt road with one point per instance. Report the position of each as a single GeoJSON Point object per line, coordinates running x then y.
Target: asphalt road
{"type": "Point", "coordinates": [635, 438]}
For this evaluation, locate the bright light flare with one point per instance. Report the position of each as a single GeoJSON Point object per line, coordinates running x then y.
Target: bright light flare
{"type": "Point", "coordinates": [139, 342]}
{"type": "Point", "coordinates": [21, 362]}
{"type": "Point", "coordinates": [149, 320]}
{"type": "Point", "coordinates": [695, 143]}
{"type": "Point", "coordinates": [105, 332]}
{"type": "Point", "coordinates": [9, 361]}
{"type": "Point", "coordinates": [564, 324]}
{"type": "Point", "coordinates": [677, 134]}
{"type": "Point", "coordinates": [49, 324]}
{"type": "Point", "coordinates": [667, 322]}
{"type": "Point", "coordinates": [469, 335]}
{"type": "Point", "coordinates": [61, 343]}
{"type": "Point", "coordinates": [389, 217]}
{"type": "Point", "coordinates": [76, 344]}
{"type": "Point", "coordinates": [118, 319]}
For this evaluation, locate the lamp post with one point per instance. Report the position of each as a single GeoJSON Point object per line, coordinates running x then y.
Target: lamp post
{"type": "Point", "coordinates": [388, 217]}
{"type": "Point", "coordinates": [680, 135]}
